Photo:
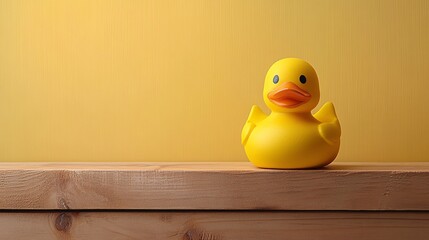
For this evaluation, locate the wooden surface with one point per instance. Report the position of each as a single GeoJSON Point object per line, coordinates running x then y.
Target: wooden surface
{"type": "Point", "coordinates": [212, 186]}
{"type": "Point", "coordinates": [212, 201]}
{"type": "Point", "coordinates": [194, 225]}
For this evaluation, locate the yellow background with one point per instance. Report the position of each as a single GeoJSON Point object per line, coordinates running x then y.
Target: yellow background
{"type": "Point", "coordinates": [162, 80]}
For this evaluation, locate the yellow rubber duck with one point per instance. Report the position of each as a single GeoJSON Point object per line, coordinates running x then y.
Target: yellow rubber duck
{"type": "Point", "coordinates": [291, 137]}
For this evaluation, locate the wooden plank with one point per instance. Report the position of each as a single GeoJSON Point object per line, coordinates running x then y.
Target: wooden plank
{"type": "Point", "coordinates": [213, 186]}
{"type": "Point", "coordinates": [214, 225]}
{"type": "Point", "coordinates": [203, 166]}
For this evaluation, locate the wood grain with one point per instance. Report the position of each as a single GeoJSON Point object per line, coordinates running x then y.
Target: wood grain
{"type": "Point", "coordinates": [194, 225]}
{"type": "Point", "coordinates": [212, 186]}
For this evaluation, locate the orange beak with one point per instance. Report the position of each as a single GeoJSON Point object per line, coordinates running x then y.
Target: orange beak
{"type": "Point", "coordinates": [289, 95]}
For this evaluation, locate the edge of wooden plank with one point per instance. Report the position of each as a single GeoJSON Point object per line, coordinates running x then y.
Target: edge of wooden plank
{"type": "Point", "coordinates": [207, 225]}
{"type": "Point", "coordinates": [205, 166]}
{"type": "Point", "coordinates": [213, 186]}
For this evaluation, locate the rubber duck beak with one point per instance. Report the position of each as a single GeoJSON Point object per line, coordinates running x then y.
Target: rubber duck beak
{"type": "Point", "coordinates": [289, 95]}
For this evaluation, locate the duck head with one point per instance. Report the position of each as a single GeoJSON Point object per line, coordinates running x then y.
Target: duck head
{"type": "Point", "coordinates": [291, 85]}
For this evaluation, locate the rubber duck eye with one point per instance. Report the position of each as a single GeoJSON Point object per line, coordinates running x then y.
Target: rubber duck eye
{"type": "Point", "coordinates": [276, 79]}
{"type": "Point", "coordinates": [302, 79]}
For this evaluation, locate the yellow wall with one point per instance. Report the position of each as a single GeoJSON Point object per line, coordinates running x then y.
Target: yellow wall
{"type": "Point", "coordinates": [114, 80]}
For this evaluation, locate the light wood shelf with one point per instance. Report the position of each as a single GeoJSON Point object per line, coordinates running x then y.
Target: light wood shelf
{"type": "Point", "coordinates": [213, 186]}
{"type": "Point", "coordinates": [213, 201]}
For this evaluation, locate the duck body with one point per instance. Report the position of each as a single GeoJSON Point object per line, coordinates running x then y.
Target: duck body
{"type": "Point", "coordinates": [291, 137]}
{"type": "Point", "coordinates": [290, 141]}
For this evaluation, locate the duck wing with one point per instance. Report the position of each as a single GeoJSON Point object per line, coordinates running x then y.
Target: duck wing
{"type": "Point", "coordinates": [256, 115]}
{"type": "Point", "coordinates": [329, 127]}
